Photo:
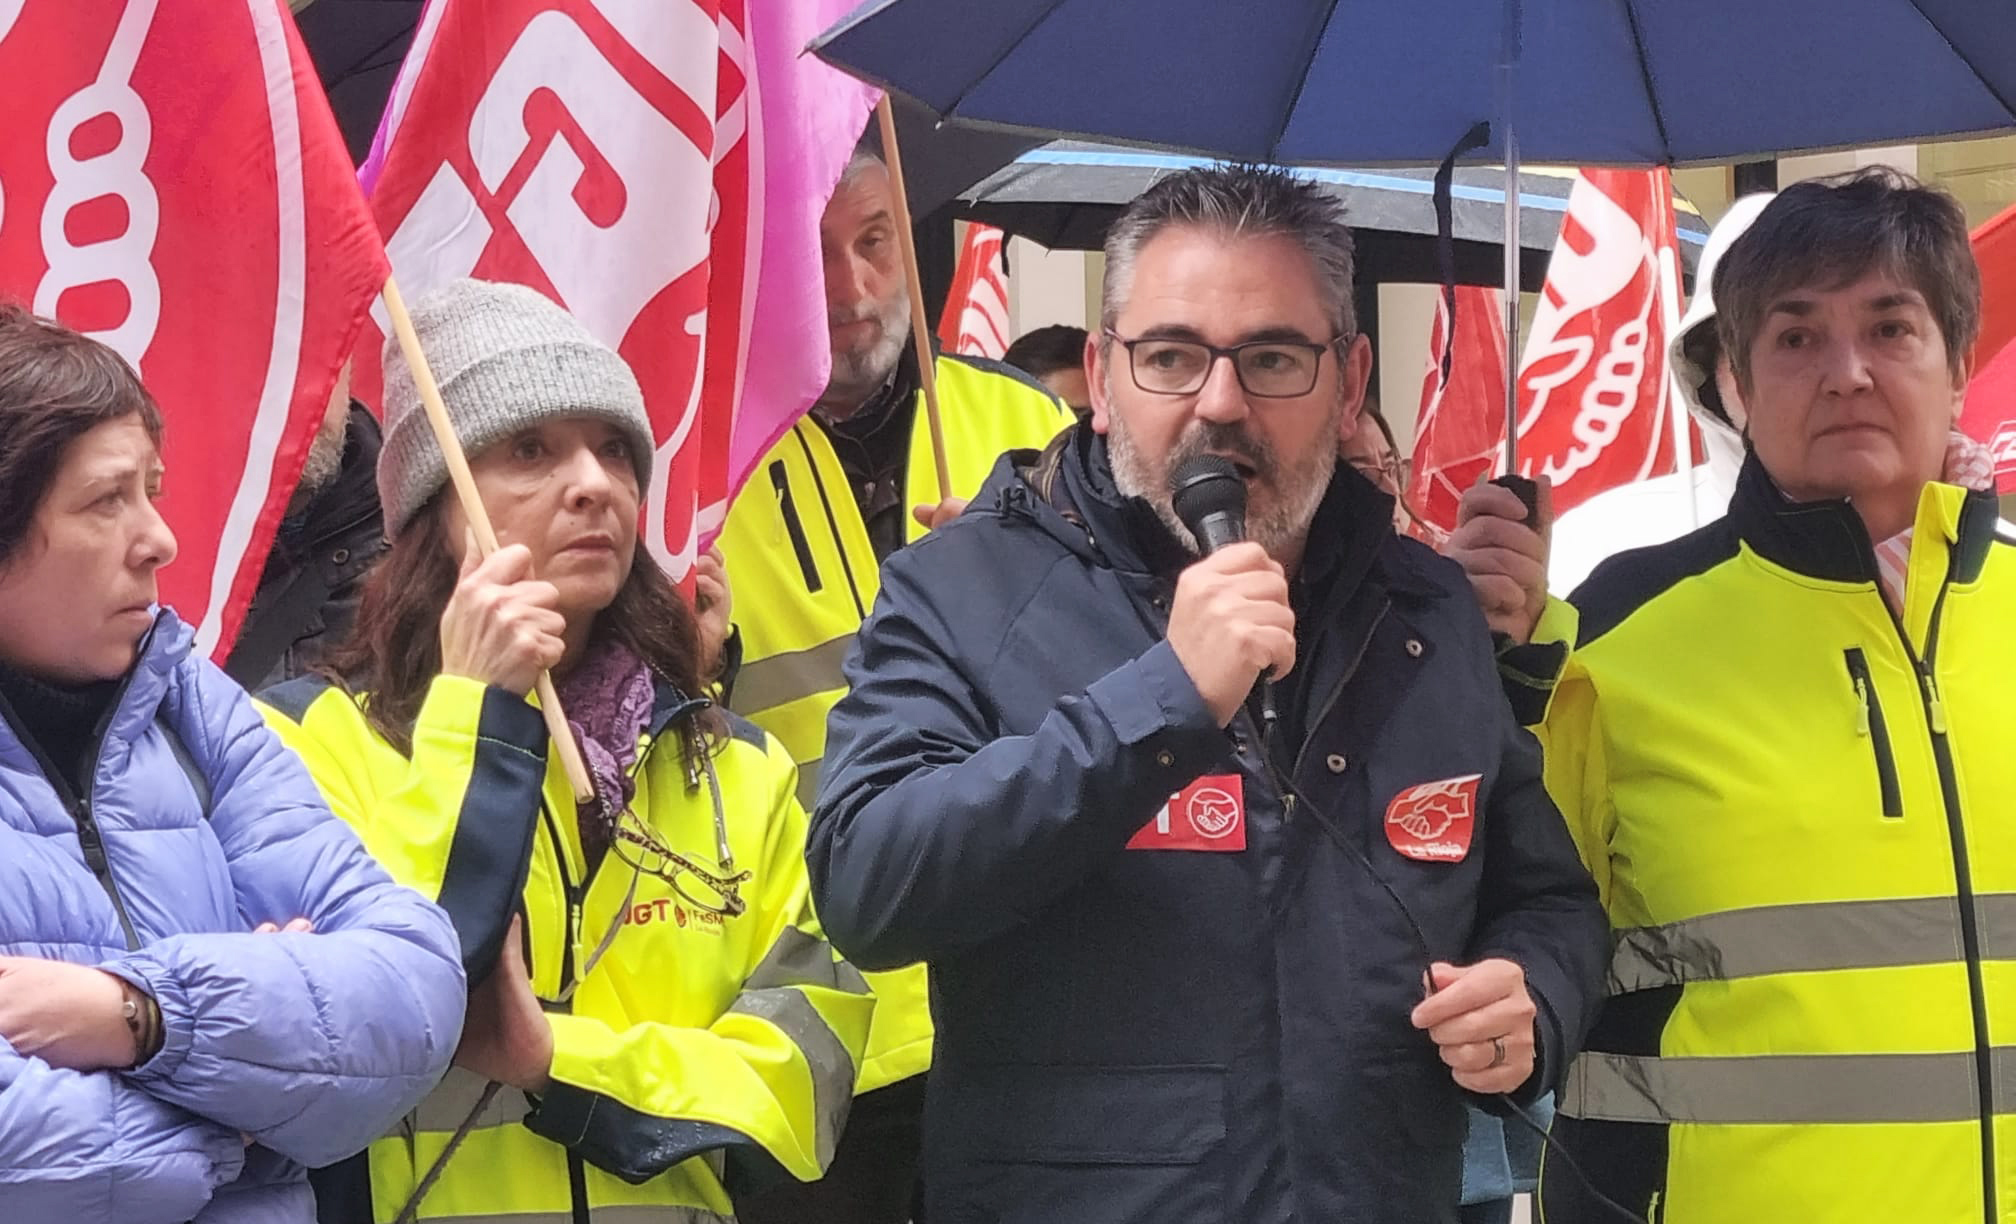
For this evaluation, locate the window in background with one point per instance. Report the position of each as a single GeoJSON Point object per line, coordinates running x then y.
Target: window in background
{"type": "Point", "coordinates": [1982, 173]}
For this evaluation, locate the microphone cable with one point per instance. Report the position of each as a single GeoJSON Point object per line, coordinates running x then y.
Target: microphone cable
{"type": "Point", "coordinates": [1337, 835]}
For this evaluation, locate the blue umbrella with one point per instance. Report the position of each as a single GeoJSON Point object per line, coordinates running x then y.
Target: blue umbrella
{"type": "Point", "coordinates": [1398, 82]}
{"type": "Point", "coordinates": [1384, 82]}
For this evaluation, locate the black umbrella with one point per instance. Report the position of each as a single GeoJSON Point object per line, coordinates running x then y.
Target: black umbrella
{"type": "Point", "coordinates": [1065, 194]}
{"type": "Point", "coordinates": [357, 46]}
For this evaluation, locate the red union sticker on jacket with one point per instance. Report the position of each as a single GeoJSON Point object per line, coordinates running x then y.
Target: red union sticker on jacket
{"type": "Point", "coordinates": [1432, 822]}
{"type": "Point", "coordinates": [1208, 814]}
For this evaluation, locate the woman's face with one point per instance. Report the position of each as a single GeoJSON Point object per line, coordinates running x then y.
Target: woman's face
{"type": "Point", "coordinates": [77, 597]}
{"type": "Point", "coordinates": [566, 490]}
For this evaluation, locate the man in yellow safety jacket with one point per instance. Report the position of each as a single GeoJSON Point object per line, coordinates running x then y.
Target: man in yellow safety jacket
{"type": "Point", "coordinates": [1782, 744]}
{"type": "Point", "coordinates": [852, 482]}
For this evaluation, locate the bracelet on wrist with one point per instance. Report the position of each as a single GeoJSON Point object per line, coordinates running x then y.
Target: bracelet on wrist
{"type": "Point", "coordinates": [143, 1021]}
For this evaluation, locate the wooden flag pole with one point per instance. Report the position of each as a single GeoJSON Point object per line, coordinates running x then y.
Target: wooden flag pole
{"type": "Point", "coordinates": [479, 523]}
{"type": "Point", "coordinates": [920, 327]}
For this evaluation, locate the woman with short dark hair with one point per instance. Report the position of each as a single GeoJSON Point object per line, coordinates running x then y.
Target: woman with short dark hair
{"type": "Point", "coordinates": [205, 983]}
{"type": "Point", "coordinates": [1782, 744]}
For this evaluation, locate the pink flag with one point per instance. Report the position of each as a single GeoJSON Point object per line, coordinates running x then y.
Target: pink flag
{"type": "Point", "coordinates": [976, 311]}
{"type": "Point", "coordinates": [176, 187]}
{"type": "Point", "coordinates": [659, 168]}
{"type": "Point", "coordinates": [1595, 403]}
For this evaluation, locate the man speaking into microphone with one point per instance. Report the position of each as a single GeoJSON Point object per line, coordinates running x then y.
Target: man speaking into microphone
{"type": "Point", "coordinates": [1233, 870]}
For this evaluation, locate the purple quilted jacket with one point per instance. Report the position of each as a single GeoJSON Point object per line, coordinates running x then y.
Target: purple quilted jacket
{"type": "Point", "coordinates": [311, 1045]}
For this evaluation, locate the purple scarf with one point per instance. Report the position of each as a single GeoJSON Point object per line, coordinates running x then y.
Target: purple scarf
{"type": "Point", "coordinates": [608, 701]}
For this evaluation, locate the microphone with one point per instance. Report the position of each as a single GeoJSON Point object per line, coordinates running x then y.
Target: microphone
{"type": "Point", "coordinates": [1207, 494]}
{"type": "Point", "coordinates": [1211, 500]}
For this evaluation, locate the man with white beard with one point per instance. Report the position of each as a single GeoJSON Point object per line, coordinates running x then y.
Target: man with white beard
{"type": "Point", "coordinates": [332, 532]}
{"type": "Point", "coordinates": [854, 481]}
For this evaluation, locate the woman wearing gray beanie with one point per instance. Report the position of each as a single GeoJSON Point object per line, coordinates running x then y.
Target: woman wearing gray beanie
{"type": "Point", "coordinates": [656, 1020]}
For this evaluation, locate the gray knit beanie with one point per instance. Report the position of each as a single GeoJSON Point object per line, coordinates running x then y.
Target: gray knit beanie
{"type": "Point", "coordinates": [505, 357]}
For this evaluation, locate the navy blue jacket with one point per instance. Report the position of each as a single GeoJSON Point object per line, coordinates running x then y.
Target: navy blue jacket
{"type": "Point", "coordinates": [1169, 1036]}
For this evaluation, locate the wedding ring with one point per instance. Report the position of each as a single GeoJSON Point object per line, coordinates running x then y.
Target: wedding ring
{"type": "Point", "coordinates": [1497, 1052]}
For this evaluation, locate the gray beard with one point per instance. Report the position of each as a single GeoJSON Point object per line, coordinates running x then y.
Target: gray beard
{"type": "Point", "coordinates": [858, 375]}
{"type": "Point", "coordinates": [1277, 525]}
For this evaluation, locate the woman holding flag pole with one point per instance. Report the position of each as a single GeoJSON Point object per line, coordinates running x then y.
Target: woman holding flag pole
{"type": "Point", "coordinates": [657, 1020]}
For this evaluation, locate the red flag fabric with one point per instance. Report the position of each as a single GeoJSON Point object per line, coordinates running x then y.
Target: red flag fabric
{"type": "Point", "coordinates": [615, 156]}
{"type": "Point", "coordinates": [976, 311]}
{"type": "Point", "coordinates": [1990, 413]}
{"type": "Point", "coordinates": [1595, 402]}
{"type": "Point", "coordinates": [1460, 431]}
{"type": "Point", "coordinates": [175, 185]}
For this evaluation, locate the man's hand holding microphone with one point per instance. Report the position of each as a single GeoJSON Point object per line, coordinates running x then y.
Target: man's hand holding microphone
{"type": "Point", "coordinates": [1230, 623]}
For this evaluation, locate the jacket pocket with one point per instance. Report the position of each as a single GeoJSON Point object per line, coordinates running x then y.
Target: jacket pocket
{"type": "Point", "coordinates": [1104, 1115]}
{"type": "Point", "coordinates": [1087, 1144]}
{"type": "Point", "coordinates": [1870, 724]}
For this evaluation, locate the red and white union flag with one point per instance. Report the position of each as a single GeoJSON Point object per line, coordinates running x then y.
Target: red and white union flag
{"type": "Point", "coordinates": [172, 182]}
{"type": "Point", "coordinates": [976, 310]}
{"type": "Point", "coordinates": [1595, 402]}
{"type": "Point", "coordinates": [620, 157]}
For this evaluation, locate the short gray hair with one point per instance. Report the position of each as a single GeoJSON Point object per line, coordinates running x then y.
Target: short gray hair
{"type": "Point", "coordinates": [1237, 201]}
{"type": "Point", "coordinates": [864, 158]}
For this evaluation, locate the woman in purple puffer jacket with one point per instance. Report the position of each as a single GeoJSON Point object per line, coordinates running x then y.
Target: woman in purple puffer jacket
{"type": "Point", "coordinates": [205, 982]}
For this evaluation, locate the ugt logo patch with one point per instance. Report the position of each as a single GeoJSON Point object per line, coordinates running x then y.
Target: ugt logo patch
{"type": "Point", "coordinates": [1209, 814]}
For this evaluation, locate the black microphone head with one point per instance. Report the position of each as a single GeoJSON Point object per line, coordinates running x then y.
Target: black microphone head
{"type": "Point", "coordinates": [1207, 487]}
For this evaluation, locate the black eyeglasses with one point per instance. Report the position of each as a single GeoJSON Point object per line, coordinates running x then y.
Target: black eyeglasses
{"type": "Point", "coordinates": [1267, 369]}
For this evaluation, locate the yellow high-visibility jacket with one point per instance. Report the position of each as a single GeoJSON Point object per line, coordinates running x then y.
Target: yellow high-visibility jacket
{"type": "Point", "coordinates": [1800, 808]}
{"type": "Point", "coordinates": [696, 1050]}
{"type": "Point", "coordinates": [804, 577]}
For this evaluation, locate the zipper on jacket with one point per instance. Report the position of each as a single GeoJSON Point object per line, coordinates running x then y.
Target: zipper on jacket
{"type": "Point", "coordinates": [91, 838]}
{"type": "Point", "coordinates": [92, 841]}
{"type": "Point", "coordinates": [1956, 830]}
{"type": "Point", "coordinates": [576, 891]}
{"type": "Point", "coordinates": [833, 524]}
{"type": "Point", "coordinates": [794, 527]}
{"type": "Point", "coordinates": [1870, 723]}
{"type": "Point", "coordinates": [571, 891]}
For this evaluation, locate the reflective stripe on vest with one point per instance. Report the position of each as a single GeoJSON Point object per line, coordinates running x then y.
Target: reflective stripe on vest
{"type": "Point", "coordinates": [785, 678]}
{"type": "Point", "coordinates": [770, 993]}
{"type": "Point", "coordinates": [832, 1068]}
{"type": "Point", "coordinates": [445, 1108]}
{"type": "Point", "coordinates": [800, 563]}
{"type": "Point", "coordinates": [1807, 938]}
{"type": "Point", "coordinates": [1781, 1089]}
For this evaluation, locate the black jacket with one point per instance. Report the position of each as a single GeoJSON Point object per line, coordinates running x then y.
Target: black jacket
{"type": "Point", "coordinates": [1169, 1036]}
{"type": "Point", "coordinates": [309, 590]}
